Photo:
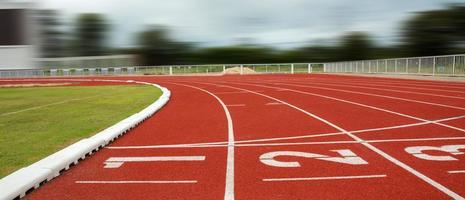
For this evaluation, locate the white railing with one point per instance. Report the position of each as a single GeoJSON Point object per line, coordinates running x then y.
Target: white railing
{"type": "Point", "coordinates": [445, 65]}
{"type": "Point", "coordinates": [283, 68]}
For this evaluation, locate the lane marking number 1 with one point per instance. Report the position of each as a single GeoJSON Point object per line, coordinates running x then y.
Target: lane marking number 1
{"type": "Point", "coordinates": [116, 162]}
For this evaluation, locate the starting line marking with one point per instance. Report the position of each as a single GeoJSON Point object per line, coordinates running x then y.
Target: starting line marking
{"type": "Point", "coordinates": [136, 182]}
{"type": "Point", "coordinates": [273, 103]}
{"type": "Point", "coordinates": [457, 172]}
{"type": "Point", "coordinates": [235, 105]}
{"type": "Point", "coordinates": [324, 178]}
{"type": "Point", "coordinates": [116, 162]}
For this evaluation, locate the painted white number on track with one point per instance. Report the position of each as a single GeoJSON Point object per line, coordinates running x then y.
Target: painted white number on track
{"type": "Point", "coordinates": [418, 152]}
{"type": "Point", "coordinates": [348, 157]}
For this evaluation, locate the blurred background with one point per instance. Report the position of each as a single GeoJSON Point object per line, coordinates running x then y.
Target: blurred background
{"type": "Point", "coordinates": [51, 33]}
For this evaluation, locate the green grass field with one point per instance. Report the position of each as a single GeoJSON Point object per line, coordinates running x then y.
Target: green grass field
{"type": "Point", "coordinates": [36, 122]}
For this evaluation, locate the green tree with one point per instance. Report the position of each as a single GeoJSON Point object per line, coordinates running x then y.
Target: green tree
{"type": "Point", "coordinates": [435, 32]}
{"type": "Point", "coordinates": [51, 42]}
{"type": "Point", "coordinates": [90, 33]}
{"type": "Point", "coordinates": [157, 48]}
{"type": "Point", "coordinates": [356, 46]}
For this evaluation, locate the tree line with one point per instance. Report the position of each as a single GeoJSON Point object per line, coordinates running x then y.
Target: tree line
{"type": "Point", "coordinates": [435, 32]}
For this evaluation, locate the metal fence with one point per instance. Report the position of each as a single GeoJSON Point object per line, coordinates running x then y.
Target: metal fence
{"type": "Point", "coordinates": [447, 65]}
{"type": "Point", "coordinates": [291, 68]}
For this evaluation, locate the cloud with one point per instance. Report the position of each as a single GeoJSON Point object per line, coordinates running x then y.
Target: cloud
{"type": "Point", "coordinates": [269, 22]}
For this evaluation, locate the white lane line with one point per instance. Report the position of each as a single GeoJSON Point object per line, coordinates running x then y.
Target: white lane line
{"type": "Point", "coordinates": [222, 143]}
{"type": "Point", "coordinates": [235, 105]}
{"type": "Point", "coordinates": [310, 143]}
{"type": "Point", "coordinates": [229, 186]}
{"type": "Point", "coordinates": [362, 105]}
{"type": "Point", "coordinates": [456, 172]}
{"type": "Point", "coordinates": [47, 105]}
{"type": "Point", "coordinates": [371, 147]}
{"type": "Point", "coordinates": [423, 84]}
{"type": "Point", "coordinates": [401, 91]}
{"type": "Point", "coordinates": [341, 142]}
{"type": "Point", "coordinates": [377, 95]}
{"type": "Point", "coordinates": [233, 92]}
{"type": "Point", "coordinates": [382, 89]}
{"type": "Point", "coordinates": [236, 143]}
{"type": "Point", "coordinates": [273, 104]}
{"type": "Point", "coordinates": [137, 182]}
{"type": "Point", "coordinates": [155, 158]}
{"type": "Point", "coordinates": [415, 139]}
{"type": "Point", "coordinates": [396, 86]}
{"type": "Point", "coordinates": [116, 162]}
{"type": "Point", "coordinates": [324, 178]}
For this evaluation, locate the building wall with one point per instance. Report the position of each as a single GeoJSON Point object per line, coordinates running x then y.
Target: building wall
{"type": "Point", "coordinates": [18, 35]}
{"type": "Point", "coordinates": [16, 57]}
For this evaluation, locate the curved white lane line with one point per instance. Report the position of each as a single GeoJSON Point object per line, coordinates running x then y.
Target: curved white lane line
{"type": "Point", "coordinates": [367, 145]}
{"type": "Point", "coordinates": [358, 104]}
{"type": "Point", "coordinates": [229, 187]}
{"type": "Point", "coordinates": [395, 86]}
{"type": "Point", "coordinates": [378, 95]}
{"type": "Point", "coordinates": [305, 143]}
{"type": "Point", "coordinates": [389, 84]}
{"type": "Point", "coordinates": [381, 89]}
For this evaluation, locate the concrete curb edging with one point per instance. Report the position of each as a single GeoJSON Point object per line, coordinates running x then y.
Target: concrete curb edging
{"type": "Point", "coordinates": [25, 180]}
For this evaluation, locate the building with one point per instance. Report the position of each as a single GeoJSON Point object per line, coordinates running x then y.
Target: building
{"type": "Point", "coordinates": [17, 48]}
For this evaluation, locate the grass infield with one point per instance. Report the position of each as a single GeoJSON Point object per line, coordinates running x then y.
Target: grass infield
{"type": "Point", "coordinates": [38, 121]}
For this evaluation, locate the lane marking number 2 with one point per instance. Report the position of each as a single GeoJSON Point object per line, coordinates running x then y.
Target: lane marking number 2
{"type": "Point", "coordinates": [347, 157]}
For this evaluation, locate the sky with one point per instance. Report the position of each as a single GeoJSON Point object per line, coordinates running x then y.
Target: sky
{"type": "Point", "coordinates": [274, 23]}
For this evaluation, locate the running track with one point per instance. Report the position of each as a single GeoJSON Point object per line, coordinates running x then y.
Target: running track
{"type": "Point", "coordinates": [284, 137]}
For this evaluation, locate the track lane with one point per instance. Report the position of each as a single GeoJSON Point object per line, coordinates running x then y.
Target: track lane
{"type": "Point", "coordinates": [439, 99]}
{"type": "Point", "coordinates": [246, 176]}
{"type": "Point", "coordinates": [403, 105]}
{"type": "Point", "coordinates": [163, 180]}
{"type": "Point", "coordinates": [383, 175]}
{"type": "Point", "coordinates": [403, 165]}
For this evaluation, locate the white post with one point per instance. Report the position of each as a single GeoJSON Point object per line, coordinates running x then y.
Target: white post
{"type": "Point", "coordinates": [171, 70]}
{"type": "Point", "coordinates": [385, 66]}
{"type": "Point", "coordinates": [369, 66]}
{"type": "Point", "coordinates": [419, 65]}
{"type": "Point", "coordinates": [310, 68]}
{"type": "Point", "coordinates": [377, 66]}
{"type": "Point", "coordinates": [224, 69]}
{"type": "Point", "coordinates": [292, 68]}
{"type": "Point", "coordinates": [453, 66]}
{"type": "Point", "coordinates": [363, 66]}
{"type": "Point", "coordinates": [434, 66]}
{"type": "Point", "coordinates": [395, 66]}
{"type": "Point", "coordinates": [406, 66]}
{"type": "Point", "coordinates": [242, 69]}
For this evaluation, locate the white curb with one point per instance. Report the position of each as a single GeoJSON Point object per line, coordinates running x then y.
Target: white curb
{"type": "Point", "coordinates": [22, 181]}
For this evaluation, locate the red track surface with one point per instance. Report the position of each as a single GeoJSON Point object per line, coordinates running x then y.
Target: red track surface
{"type": "Point", "coordinates": [401, 139]}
